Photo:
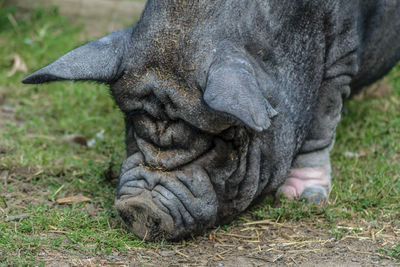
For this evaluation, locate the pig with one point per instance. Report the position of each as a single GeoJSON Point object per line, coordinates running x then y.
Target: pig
{"type": "Point", "coordinates": [228, 101]}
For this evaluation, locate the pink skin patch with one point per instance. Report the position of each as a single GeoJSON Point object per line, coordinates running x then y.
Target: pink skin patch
{"type": "Point", "coordinates": [302, 178]}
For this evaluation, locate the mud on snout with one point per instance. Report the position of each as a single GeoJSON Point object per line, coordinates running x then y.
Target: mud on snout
{"type": "Point", "coordinates": [156, 204]}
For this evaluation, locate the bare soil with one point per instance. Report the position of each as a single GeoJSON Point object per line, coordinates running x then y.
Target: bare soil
{"type": "Point", "coordinates": [266, 244]}
{"type": "Point", "coordinates": [5, 113]}
{"type": "Point", "coordinates": [108, 16]}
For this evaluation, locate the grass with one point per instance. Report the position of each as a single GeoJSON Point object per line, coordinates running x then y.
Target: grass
{"type": "Point", "coordinates": [35, 150]}
{"type": "Point", "coordinates": [43, 167]}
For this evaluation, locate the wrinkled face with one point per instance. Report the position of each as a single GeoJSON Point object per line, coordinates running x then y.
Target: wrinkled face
{"type": "Point", "coordinates": [183, 157]}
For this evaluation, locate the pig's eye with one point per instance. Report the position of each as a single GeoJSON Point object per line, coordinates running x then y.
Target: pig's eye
{"type": "Point", "coordinates": [266, 56]}
{"type": "Point", "coordinates": [133, 113]}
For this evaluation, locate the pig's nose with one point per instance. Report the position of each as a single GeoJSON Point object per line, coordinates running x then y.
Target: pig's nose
{"type": "Point", "coordinates": [157, 204]}
{"type": "Point", "coordinates": [144, 218]}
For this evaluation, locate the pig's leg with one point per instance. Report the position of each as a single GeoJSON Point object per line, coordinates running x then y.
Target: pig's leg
{"type": "Point", "coordinates": [309, 178]}
{"type": "Point", "coordinates": [310, 175]}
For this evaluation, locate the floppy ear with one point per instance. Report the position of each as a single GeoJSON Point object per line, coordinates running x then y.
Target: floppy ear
{"type": "Point", "coordinates": [100, 60]}
{"type": "Point", "coordinates": [232, 88]}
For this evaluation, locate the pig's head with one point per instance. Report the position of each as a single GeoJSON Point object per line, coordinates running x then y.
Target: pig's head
{"type": "Point", "coordinates": [217, 98]}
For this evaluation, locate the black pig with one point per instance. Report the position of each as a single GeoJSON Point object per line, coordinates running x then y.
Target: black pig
{"type": "Point", "coordinates": [226, 101]}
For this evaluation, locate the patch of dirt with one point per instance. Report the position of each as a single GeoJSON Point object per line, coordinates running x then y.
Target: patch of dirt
{"type": "Point", "coordinates": [377, 90]}
{"type": "Point", "coordinates": [7, 113]}
{"type": "Point", "coordinates": [17, 193]}
{"type": "Point", "coordinates": [262, 243]}
{"type": "Point", "coordinates": [2, 96]}
{"type": "Point", "coordinates": [115, 14]}
{"type": "Point", "coordinates": [4, 150]}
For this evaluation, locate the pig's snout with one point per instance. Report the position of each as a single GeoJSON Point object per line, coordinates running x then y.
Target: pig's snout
{"type": "Point", "coordinates": [156, 204]}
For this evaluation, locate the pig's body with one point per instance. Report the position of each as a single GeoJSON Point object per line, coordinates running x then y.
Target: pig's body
{"type": "Point", "coordinates": [227, 101]}
{"type": "Point", "coordinates": [379, 48]}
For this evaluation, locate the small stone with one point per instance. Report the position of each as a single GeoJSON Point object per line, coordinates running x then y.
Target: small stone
{"type": "Point", "coordinates": [91, 210]}
{"type": "Point", "coordinates": [167, 253]}
{"type": "Point", "coordinates": [373, 224]}
{"type": "Point", "coordinates": [329, 245]}
{"type": "Point", "coordinates": [76, 139]}
{"type": "Point", "coordinates": [8, 109]}
{"type": "Point", "coordinates": [375, 261]}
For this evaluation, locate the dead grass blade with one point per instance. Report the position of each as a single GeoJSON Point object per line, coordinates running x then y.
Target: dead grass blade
{"type": "Point", "coordinates": [73, 200]}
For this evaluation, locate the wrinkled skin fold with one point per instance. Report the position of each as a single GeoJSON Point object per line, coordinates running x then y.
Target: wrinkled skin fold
{"type": "Point", "coordinates": [228, 101]}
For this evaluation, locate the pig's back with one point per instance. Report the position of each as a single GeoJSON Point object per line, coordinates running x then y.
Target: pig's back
{"type": "Point", "coordinates": [380, 40]}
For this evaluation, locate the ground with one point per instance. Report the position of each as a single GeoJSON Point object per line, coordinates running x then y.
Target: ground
{"type": "Point", "coordinates": [60, 150]}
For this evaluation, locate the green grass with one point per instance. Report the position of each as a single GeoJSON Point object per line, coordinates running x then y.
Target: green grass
{"type": "Point", "coordinates": [44, 167]}
{"type": "Point", "coordinates": [34, 146]}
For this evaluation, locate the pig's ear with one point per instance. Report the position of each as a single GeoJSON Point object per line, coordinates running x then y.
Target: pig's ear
{"type": "Point", "coordinates": [232, 88]}
{"type": "Point", "coordinates": [100, 60]}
